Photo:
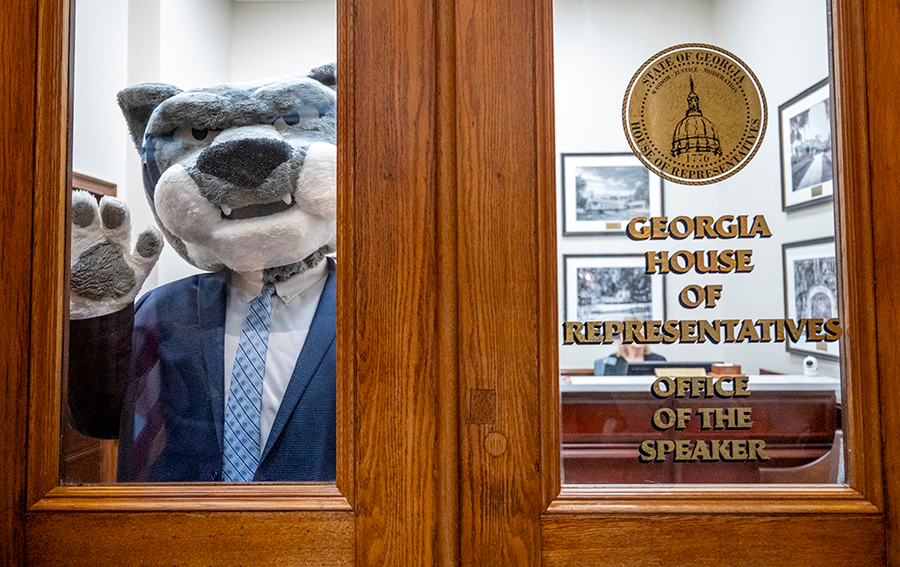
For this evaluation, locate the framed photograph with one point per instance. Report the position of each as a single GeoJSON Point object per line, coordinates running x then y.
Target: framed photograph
{"type": "Point", "coordinates": [602, 192]}
{"type": "Point", "coordinates": [810, 291]}
{"type": "Point", "coordinates": [804, 126]}
{"type": "Point", "coordinates": [610, 287]}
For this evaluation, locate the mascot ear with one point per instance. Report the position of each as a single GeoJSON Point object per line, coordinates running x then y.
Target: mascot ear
{"type": "Point", "coordinates": [325, 74]}
{"type": "Point", "coordinates": [137, 104]}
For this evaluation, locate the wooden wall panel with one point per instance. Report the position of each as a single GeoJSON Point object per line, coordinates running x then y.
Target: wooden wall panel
{"type": "Point", "coordinates": [18, 40]}
{"type": "Point", "coordinates": [749, 541]}
{"type": "Point", "coordinates": [270, 539]}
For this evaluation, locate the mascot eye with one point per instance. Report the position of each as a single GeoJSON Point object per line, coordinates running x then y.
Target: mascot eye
{"type": "Point", "coordinates": [301, 116]}
{"type": "Point", "coordinates": [194, 135]}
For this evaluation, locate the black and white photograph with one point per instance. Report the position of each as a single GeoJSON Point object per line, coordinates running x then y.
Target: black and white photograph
{"type": "Point", "coordinates": [810, 290]}
{"type": "Point", "coordinates": [611, 287]}
{"type": "Point", "coordinates": [602, 192]}
{"type": "Point", "coordinates": [806, 158]}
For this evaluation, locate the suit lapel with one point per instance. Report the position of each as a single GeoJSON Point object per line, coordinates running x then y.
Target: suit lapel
{"type": "Point", "coordinates": [212, 300]}
{"type": "Point", "coordinates": [321, 335]}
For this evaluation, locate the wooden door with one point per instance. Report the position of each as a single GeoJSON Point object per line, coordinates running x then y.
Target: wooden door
{"type": "Point", "coordinates": [448, 399]}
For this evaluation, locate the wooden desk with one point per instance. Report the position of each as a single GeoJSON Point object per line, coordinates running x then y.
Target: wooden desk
{"type": "Point", "coordinates": [606, 418]}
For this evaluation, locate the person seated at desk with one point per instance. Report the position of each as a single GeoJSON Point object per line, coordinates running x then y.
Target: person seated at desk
{"type": "Point", "coordinates": [615, 364]}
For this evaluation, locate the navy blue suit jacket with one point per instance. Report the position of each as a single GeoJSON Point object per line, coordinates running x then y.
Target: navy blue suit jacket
{"type": "Point", "coordinates": [160, 388]}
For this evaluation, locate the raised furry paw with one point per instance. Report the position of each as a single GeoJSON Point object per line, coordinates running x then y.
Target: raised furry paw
{"type": "Point", "coordinates": [106, 272]}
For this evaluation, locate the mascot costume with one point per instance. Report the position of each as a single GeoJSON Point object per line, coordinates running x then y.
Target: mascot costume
{"type": "Point", "coordinates": [227, 375]}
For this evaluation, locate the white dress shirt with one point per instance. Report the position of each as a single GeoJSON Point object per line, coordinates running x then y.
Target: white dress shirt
{"type": "Point", "coordinates": [293, 308]}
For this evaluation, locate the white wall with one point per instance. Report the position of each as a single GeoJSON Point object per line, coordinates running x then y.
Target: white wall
{"type": "Point", "coordinates": [271, 39]}
{"type": "Point", "coordinates": [599, 44]}
{"type": "Point", "coordinates": [100, 71]}
{"type": "Point", "coordinates": [144, 62]}
{"type": "Point", "coordinates": [195, 42]}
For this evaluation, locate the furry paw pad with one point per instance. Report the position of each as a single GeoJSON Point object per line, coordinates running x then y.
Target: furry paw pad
{"type": "Point", "coordinates": [106, 272]}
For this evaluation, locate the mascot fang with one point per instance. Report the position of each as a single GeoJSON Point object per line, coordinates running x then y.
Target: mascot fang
{"type": "Point", "coordinates": [227, 375]}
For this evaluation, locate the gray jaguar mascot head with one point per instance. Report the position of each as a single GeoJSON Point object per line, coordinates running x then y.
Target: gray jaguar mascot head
{"type": "Point", "coordinates": [243, 175]}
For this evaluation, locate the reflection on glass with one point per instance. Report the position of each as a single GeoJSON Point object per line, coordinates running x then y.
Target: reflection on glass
{"type": "Point", "coordinates": [210, 357]}
{"type": "Point", "coordinates": [699, 323]}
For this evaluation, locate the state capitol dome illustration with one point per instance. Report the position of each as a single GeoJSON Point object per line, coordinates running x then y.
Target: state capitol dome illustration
{"type": "Point", "coordinates": [695, 133]}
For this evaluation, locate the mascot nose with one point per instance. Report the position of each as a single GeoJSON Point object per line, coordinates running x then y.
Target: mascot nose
{"type": "Point", "coordinates": [244, 162]}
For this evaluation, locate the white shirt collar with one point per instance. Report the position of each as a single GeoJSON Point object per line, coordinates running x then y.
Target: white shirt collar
{"type": "Point", "coordinates": [250, 284]}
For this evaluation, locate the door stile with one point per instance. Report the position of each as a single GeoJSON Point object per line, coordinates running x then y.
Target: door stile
{"type": "Point", "coordinates": [393, 343]}
{"type": "Point", "coordinates": [18, 31]}
{"type": "Point", "coordinates": [882, 68]}
{"type": "Point", "coordinates": [50, 255]}
{"type": "Point", "coordinates": [854, 228]}
{"type": "Point", "coordinates": [447, 320]}
{"type": "Point", "coordinates": [548, 302]}
{"type": "Point", "coordinates": [501, 178]}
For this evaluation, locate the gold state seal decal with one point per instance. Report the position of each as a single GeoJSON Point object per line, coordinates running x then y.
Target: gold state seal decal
{"type": "Point", "coordinates": [694, 114]}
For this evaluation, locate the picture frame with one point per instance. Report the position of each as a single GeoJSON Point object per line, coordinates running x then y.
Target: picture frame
{"type": "Point", "coordinates": [805, 137]}
{"type": "Point", "coordinates": [610, 287]}
{"type": "Point", "coordinates": [602, 192]}
{"type": "Point", "coordinates": [810, 291]}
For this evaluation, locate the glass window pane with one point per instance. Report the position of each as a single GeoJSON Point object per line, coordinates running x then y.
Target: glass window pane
{"type": "Point", "coordinates": [699, 321]}
{"type": "Point", "coordinates": [202, 333]}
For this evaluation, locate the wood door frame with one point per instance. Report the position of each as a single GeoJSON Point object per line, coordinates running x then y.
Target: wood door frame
{"type": "Point", "coordinates": [859, 368]}
{"type": "Point", "coordinates": [446, 120]}
{"type": "Point", "coordinates": [839, 525]}
{"type": "Point", "coordinates": [50, 315]}
{"type": "Point", "coordinates": [18, 49]}
{"type": "Point", "coordinates": [388, 357]}
{"type": "Point", "coordinates": [506, 199]}
{"type": "Point", "coordinates": [148, 523]}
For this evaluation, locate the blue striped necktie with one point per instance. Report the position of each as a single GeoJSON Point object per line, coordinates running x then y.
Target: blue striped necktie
{"type": "Point", "coordinates": [241, 452]}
